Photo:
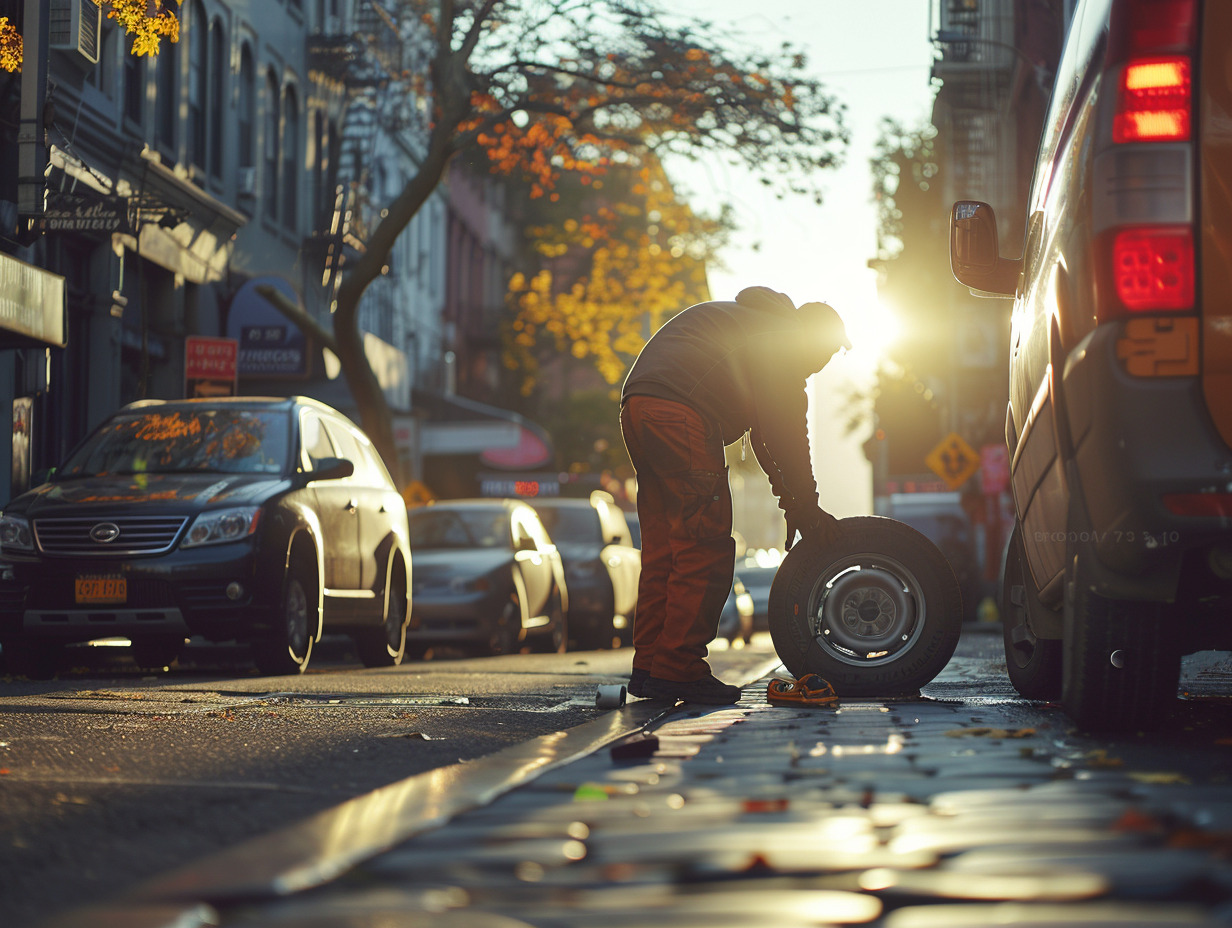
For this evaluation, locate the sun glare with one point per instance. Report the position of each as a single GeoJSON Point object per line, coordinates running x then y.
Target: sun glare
{"type": "Point", "coordinates": [872, 329]}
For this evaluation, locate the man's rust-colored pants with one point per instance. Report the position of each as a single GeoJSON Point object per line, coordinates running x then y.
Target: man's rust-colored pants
{"type": "Point", "coordinates": [688, 554]}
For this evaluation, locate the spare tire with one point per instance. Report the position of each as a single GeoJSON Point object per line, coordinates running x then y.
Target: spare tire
{"type": "Point", "coordinates": [874, 608]}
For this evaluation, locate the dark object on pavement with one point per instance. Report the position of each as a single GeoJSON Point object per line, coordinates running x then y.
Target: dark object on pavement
{"type": "Point", "coordinates": [708, 690]}
{"type": "Point", "coordinates": [873, 607]}
{"type": "Point", "coordinates": [808, 690]}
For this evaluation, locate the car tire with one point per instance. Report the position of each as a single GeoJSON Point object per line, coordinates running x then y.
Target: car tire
{"type": "Point", "coordinates": [507, 632]}
{"type": "Point", "coordinates": [874, 608]}
{"type": "Point", "coordinates": [1121, 666]}
{"type": "Point", "coordinates": [386, 646]}
{"type": "Point", "coordinates": [288, 650]}
{"type": "Point", "coordinates": [36, 660]}
{"type": "Point", "coordinates": [1033, 663]}
{"type": "Point", "coordinates": [556, 639]}
{"type": "Point", "coordinates": [157, 651]}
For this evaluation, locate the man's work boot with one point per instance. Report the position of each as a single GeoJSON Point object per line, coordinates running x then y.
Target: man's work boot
{"type": "Point", "coordinates": [708, 690]}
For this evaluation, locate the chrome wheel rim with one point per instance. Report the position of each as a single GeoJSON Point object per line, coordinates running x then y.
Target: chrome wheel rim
{"type": "Point", "coordinates": [867, 610]}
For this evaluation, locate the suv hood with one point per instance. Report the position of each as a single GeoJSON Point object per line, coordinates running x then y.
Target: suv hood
{"type": "Point", "coordinates": [182, 492]}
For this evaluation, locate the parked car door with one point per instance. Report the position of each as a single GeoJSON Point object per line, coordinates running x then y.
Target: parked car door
{"type": "Point", "coordinates": [533, 563]}
{"type": "Point", "coordinates": [337, 505]}
{"type": "Point", "coordinates": [623, 560]}
{"type": "Point", "coordinates": [372, 488]}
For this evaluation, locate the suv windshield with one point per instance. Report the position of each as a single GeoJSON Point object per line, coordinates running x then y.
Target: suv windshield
{"type": "Point", "coordinates": [160, 441]}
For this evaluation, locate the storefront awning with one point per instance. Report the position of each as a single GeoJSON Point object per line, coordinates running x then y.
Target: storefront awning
{"type": "Point", "coordinates": [31, 306]}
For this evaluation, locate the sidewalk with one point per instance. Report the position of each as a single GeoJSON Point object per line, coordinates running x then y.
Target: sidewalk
{"type": "Point", "coordinates": [921, 813]}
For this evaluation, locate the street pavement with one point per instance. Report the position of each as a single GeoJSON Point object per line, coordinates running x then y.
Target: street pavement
{"type": "Point", "coordinates": [965, 806]}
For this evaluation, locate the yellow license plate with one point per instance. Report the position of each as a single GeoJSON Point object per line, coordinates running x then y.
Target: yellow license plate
{"type": "Point", "coordinates": [105, 589]}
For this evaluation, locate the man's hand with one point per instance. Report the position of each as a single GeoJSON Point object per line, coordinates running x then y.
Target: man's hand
{"type": "Point", "coordinates": [808, 521]}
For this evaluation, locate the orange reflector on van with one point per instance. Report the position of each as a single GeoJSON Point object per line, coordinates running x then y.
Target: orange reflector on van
{"type": "Point", "coordinates": [1154, 101]}
{"type": "Point", "coordinates": [1199, 504]}
{"type": "Point", "coordinates": [1160, 347]}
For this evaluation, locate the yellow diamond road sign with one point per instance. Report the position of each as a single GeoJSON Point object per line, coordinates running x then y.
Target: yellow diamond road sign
{"type": "Point", "coordinates": [953, 460]}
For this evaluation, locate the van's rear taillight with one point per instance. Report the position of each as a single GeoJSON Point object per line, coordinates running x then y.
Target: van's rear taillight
{"type": "Point", "coordinates": [1154, 268]}
{"type": "Point", "coordinates": [1154, 102]}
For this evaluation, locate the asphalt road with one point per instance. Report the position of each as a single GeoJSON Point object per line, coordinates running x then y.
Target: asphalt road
{"type": "Point", "coordinates": [109, 775]}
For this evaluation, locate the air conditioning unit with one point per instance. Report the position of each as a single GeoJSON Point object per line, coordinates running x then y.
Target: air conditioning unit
{"type": "Point", "coordinates": [76, 26]}
{"type": "Point", "coordinates": [247, 181]}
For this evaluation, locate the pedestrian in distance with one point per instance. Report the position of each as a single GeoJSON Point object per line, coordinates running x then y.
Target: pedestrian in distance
{"type": "Point", "coordinates": [716, 373]}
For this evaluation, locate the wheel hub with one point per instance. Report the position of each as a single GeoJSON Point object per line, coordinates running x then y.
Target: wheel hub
{"type": "Point", "coordinates": [866, 613]}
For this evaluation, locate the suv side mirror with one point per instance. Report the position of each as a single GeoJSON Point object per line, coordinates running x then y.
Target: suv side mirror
{"type": "Point", "coordinates": [326, 469]}
{"type": "Point", "coordinates": [974, 252]}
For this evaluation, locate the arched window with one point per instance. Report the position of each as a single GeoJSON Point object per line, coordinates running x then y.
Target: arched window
{"type": "Point", "coordinates": [247, 110]}
{"type": "Point", "coordinates": [270, 144]}
{"type": "Point", "coordinates": [198, 78]}
{"type": "Point", "coordinates": [291, 148]}
{"type": "Point", "coordinates": [165, 103]}
{"type": "Point", "coordinates": [217, 95]}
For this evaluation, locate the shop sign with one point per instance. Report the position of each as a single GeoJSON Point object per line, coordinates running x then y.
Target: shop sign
{"type": "Point", "coordinates": [71, 212]}
{"type": "Point", "coordinates": [31, 301]}
{"type": "Point", "coordinates": [209, 366]}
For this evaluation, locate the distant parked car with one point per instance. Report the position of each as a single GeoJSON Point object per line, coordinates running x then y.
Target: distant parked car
{"type": "Point", "coordinates": [736, 619]}
{"type": "Point", "coordinates": [757, 578]}
{"type": "Point", "coordinates": [486, 575]}
{"type": "Point", "coordinates": [268, 521]}
{"type": "Point", "coordinates": [602, 567]}
{"type": "Point", "coordinates": [941, 519]}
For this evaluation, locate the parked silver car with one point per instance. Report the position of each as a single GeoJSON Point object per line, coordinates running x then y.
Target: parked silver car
{"type": "Point", "coordinates": [602, 566]}
{"type": "Point", "coordinates": [486, 575]}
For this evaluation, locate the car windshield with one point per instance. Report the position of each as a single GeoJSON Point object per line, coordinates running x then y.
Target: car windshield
{"type": "Point", "coordinates": [458, 528]}
{"type": "Point", "coordinates": [160, 441]}
{"type": "Point", "coordinates": [571, 523]}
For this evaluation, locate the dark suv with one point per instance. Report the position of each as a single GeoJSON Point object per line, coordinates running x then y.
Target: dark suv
{"type": "Point", "coordinates": [1120, 415]}
{"type": "Point", "coordinates": [267, 521]}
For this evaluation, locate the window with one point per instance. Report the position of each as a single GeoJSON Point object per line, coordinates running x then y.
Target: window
{"type": "Point", "coordinates": [217, 95]}
{"type": "Point", "coordinates": [165, 102]}
{"type": "Point", "coordinates": [290, 154]}
{"type": "Point", "coordinates": [316, 444]}
{"type": "Point", "coordinates": [270, 142]}
{"type": "Point", "coordinates": [198, 57]}
{"type": "Point", "coordinates": [134, 87]}
{"type": "Point", "coordinates": [247, 110]}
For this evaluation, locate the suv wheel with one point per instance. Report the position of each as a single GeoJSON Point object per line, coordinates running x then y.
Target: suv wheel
{"type": "Point", "coordinates": [289, 648]}
{"type": "Point", "coordinates": [556, 638]}
{"type": "Point", "coordinates": [1033, 663]}
{"type": "Point", "coordinates": [386, 646]}
{"type": "Point", "coordinates": [1121, 666]}
{"type": "Point", "coordinates": [874, 608]}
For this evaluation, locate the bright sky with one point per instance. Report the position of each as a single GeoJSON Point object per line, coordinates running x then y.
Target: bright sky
{"type": "Point", "coordinates": [875, 56]}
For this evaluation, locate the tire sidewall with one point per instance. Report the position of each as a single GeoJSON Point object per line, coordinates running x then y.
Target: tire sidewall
{"type": "Point", "coordinates": [796, 594]}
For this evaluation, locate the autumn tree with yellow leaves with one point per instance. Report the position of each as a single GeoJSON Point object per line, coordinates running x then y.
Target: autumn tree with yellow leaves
{"type": "Point", "coordinates": [145, 20]}
{"type": "Point", "coordinates": [542, 90]}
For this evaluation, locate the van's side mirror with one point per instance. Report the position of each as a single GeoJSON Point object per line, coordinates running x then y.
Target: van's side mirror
{"type": "Point", "coordinates": [975, 258]}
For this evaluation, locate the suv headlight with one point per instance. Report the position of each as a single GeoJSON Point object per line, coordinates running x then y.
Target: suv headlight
{"type": "Point", "coordinates": [222, 525]}
{"type": "Point", "coordinates": [15, 533]}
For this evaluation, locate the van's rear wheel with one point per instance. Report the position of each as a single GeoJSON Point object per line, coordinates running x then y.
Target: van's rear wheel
{"type": "Point", "coordinates": [874, 608]}
{"type": "Point", "coordinates": [1121, 664]}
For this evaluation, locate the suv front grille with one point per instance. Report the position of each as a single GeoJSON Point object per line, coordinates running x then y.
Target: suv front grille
{"type": "Point", "coordinates": [137, 535]}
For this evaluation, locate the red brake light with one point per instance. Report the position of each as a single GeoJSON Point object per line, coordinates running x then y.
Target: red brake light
{"type": "Point", "coordinates": [1154, 101]}
{"type": "Point", "coordinates": [1153, 268]}
{"type": "Point", "coordinates": [1199, 504]}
